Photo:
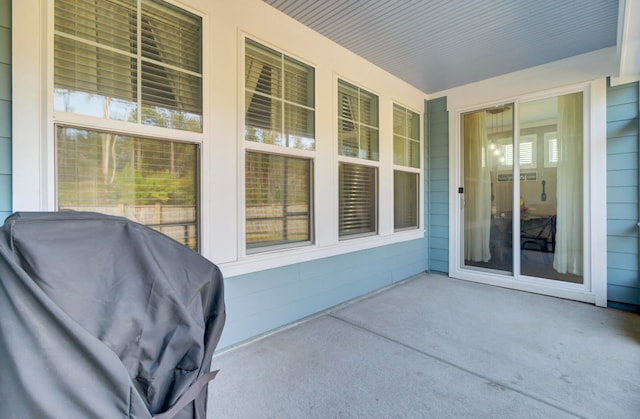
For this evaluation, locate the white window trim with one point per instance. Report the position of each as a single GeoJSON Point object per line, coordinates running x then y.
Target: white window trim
{"type": "Point", "coordinates": [221, 148]}
{"type": "Point", "coordinates": [34, 188]}
{"type": "Point", "coordinates": [417, 170]}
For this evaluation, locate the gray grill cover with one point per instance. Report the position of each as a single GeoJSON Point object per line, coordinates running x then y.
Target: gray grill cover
{"type": "Point", "coordinates": [102, 317]}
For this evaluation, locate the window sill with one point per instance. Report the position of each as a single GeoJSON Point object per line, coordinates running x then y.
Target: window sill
{"type": "Point", "coordinates": [290, 256]}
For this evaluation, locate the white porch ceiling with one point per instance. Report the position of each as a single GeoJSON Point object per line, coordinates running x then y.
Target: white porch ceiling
{"type": "Point", "coordinates": [439, 44]}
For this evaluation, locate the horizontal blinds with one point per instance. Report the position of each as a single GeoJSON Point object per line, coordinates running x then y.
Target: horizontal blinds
{"type": "Point", "coordinates": [153, 182]}
{"type": "Point", "coordinates": [153, 59]}
{"type": "Point", "coordinates": [357, 199]}
{"type": "Point", "coordinates": [405, 200]}
{"type": "Point", "coordinates": [277, 199]}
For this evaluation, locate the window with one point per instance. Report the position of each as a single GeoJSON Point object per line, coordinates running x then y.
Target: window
{"type": "Point", "coordinates": [550, 149]}
{"type": "Point", "coordinates": [279, 99]}
{"type": "Point", "coordinates": [357, 122]}
{"type": "Point", "coordinates": [527, 156]}
{"type": "Point", "coordinates": [406, 153]}
{"type": "Point", "coordinates": [357, 139]}
{"type": "Point", "coordinates": [278, 201]}
{"type": "Point", "coordinates": [280, 145]}
{"type": "Point", "coordinates": [134, 61]}
{"type": "Point", "coordinates": [131, 60]}
{"type": "Point", "coordinates": [406, 137]}
{"type": "Point", "coordinates": [357, 200]}
{"type": "Point", "coordinates": [153, 182]}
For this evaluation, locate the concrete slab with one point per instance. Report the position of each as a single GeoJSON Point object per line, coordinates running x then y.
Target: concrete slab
{"type": "Point", "coordinates": [435, 347]}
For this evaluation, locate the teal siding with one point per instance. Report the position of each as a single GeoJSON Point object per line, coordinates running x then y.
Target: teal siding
{"type": "Point", "coordinates": [623, 283]}
{"type": "Point", "coordinates": [437, 185]}
{"type": "Point", "coordinates": [263, 301]}
{"type": "Point", "coordinates": [5, 109]}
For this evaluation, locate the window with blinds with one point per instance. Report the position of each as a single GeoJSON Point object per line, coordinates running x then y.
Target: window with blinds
{"type": "Point", "coordinates": [131, 60]}
{"type": "Point", "coordinates": [153, 182]}
{"type": "Point", "coordinates": [357, 122]}
{"type": "Point", "coordinates": [358, 211]}
{"type": "Point", "coordinates": [550, 149]}
{"type": "Point", "coordinates": [406, 153]}
{"type": "Point", "coordinates": [405, 200]}
{"type": "Point", "coordinates": [278, 200]}
{"type": "Point", "coordinates": [279, 99]}
{"type": "Point", "coordinates": [526, 156]}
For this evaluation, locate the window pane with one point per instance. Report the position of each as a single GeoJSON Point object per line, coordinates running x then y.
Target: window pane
{"type": "Point", "coordinates": [278, 200]}
{"type": "Point", "coordinates": [267, 110]}
{"type": "Point", "coordinates": [299, 127]}
{"type": "Point", "coordinates": [100, 70]}
{"type": "Point", "coordinates": [358, 200]}
{"type": "Point", "coordinates": [153, 182]}
{"type": "Point", "coordinates": [552, 202]}
{"type": "Point", "coordinates": [369, 143]}
{"type": "Point", "coordinates": [357, 122]}
{"type": "Point", "coordinates": [405, 200]}
{"type": "Point", "coordinates": [263, 120]}
{"type": "Point", "coordinates": [406, 140]}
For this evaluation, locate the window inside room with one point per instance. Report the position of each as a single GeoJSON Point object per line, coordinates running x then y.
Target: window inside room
{"type": "Point", "coordinates": [150, 181]}
{"type": "Point", "coordinates": [131, 60]}
{"type": "Point", "coordinates": [280, 145]}
{"type": "Point", "coordinates": [406, 158]}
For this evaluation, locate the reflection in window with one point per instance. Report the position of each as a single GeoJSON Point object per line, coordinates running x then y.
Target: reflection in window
{"type": "Point", "coordinates": [150, 181]}
{"type": "Point", "coordinates": [279, 99]}
{"type": "Point", "coordinates": [278, 200]}
{"type": "Point", "coordinates": [102, 69]}
{"type": "Point", "coordinates": [357, 122]}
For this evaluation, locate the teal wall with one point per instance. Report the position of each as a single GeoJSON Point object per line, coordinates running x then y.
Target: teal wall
{"type": "Point", "coordinates": [5, 109]}
{"type": "Point", "coordinates": [263, 301]}
{"type": "Point", "coordinates": [437, 185]}
{"type": "Point", "coordinates": [623, 284]}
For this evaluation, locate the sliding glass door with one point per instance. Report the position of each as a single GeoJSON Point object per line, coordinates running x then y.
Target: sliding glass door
{"type": "Point", "coordinates": [522, 197]}
{"type": "Point", "coordinates": [487, 204]}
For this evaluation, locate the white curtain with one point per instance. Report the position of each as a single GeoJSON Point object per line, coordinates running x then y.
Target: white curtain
{"type": "Point", "coordinates": [477, 188]}
{"type": "Point", "coordinates": [568, 252]}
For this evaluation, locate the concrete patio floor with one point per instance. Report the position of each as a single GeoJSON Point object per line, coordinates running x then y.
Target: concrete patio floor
{"type": "Point", "coordinates": [436, 347]}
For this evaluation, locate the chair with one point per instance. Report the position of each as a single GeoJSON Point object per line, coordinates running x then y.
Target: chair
{"type": "Point", "coordinates": [540, 237]}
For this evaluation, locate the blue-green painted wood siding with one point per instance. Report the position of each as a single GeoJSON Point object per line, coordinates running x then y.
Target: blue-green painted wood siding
{"type": "Point", "coordinates": [263, 301]}
{"type": "Point", "coordinates": [5, 109]}
{"type": "Point", "coordinates": [437, 185]}
{"type": "Point", "coordinates": [623, 283]}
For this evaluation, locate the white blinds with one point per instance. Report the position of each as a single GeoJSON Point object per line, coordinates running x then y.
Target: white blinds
{"type": "Point", "coordinates": [136, 60]}
{"type": "Point", "coordinates": [357, 200]}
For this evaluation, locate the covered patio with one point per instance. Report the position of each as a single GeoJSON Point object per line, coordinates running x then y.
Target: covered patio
{"type": "Point", "coordinates": [432, 346]}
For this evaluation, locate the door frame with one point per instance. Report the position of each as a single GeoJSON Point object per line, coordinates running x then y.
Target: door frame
{"type": "Point", "coordinates": [593, 290]}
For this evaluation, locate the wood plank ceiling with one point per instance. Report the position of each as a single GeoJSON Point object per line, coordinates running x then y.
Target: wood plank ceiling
{"type": "Point", "coordinates": [439, 44]}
